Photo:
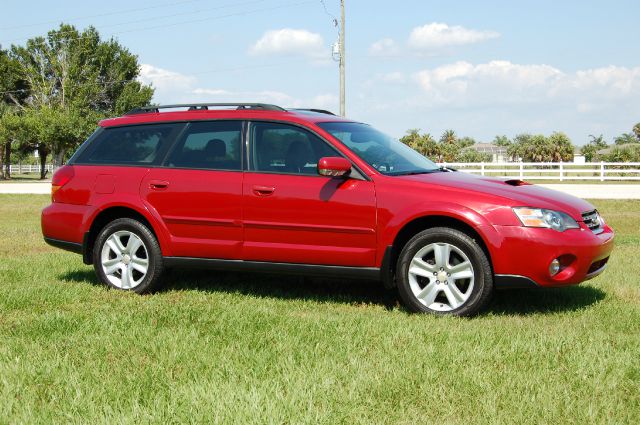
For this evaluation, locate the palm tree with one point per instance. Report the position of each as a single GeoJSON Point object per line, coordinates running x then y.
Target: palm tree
{"type": "Point", "coordinates": [636, 130]}
{"type": "Point", "coordinates": [449, 137]}
{"type": "Point", "coordinates": [625, 138]}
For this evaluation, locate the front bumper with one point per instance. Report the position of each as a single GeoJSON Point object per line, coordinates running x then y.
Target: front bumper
{"type": "Point", "coordinates": [525, 253]}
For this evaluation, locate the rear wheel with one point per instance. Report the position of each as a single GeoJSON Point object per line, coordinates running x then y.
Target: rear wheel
{"type": "Point", "coordinates": [444, 271]}
{"type": "Point", "coordinates": [126, 256]}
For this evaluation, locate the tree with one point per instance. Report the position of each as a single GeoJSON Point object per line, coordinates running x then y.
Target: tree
{"type": "Point", "coordinates": [466, 141]}
{"type": "Point", "coordinates": [501, 141]}
{"type": "Point", "coordinates": [73, 79]}
{"type": "Point", "coordinates": [472, 155]}
{"type": "Point", "coordinates": [623, 153]}
{"type": "Point", "coordinates": [516, 150]}
{"type": "Point", "coordinates": [12, 91]}
{"type": "Point", "coordinates": [625, 138]}
{"type": "Point", "coordinates": [538, 148]}
{"type": "Point", "coordinates": [449, 137]}
{"type": "Point", "coordinates": [636, 130]}
{"type": "Point", "coordinates": [590, 149]}
{"type": "Point", "coordinates": [559, 148]}
{"type": "Point", "coordinates": [425, 144]}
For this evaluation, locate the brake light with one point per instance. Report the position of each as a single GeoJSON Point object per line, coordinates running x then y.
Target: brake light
{"type": "Point", "coordinates": [60, 178]}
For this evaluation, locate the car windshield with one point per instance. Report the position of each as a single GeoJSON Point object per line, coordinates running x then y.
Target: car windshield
{"type": "Point", "coordinates": [386, 154]}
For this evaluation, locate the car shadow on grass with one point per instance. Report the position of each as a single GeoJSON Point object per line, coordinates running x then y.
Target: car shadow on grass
{"type": "Point", "coordinates": [348, 291]}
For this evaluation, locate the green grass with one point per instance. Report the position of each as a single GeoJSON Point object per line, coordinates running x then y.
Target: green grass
{"type": "Point", "coordinates": [26, 178]}
{"type": "Point", "coordinates": [246, 348]}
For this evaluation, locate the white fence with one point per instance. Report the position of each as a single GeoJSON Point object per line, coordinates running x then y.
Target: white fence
{"type": "Point", "coordinates": [28, 169]}
{"type": "Point", "coordinates": [562, 171]}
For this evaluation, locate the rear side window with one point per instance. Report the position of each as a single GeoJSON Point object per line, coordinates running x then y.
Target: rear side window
{"type": "Point", "coordinates": [212, 145]}
{"type": "Point", "coordinates": [133, 145]}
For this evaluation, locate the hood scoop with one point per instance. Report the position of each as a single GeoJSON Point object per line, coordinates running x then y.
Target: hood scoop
{"type": "Point", "coordinates": [516, 182]}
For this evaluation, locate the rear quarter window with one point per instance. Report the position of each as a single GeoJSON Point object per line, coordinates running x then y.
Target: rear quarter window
{"type": "Point", "coordinates": [131, 145]}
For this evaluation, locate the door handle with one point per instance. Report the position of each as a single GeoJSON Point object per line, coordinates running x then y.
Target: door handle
{"type": "Point", "coordinates": [158, 184]}
{"type": "Point", "coordinates": [263, 190]}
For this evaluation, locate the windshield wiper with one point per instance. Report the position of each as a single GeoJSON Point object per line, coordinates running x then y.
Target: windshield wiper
{"type": "Point", "coordinates": [413, 173]}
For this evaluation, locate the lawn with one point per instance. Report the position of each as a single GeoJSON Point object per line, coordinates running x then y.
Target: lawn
{"type": "Point", "coordinates": [247, 348]}
{"type": "Point", "coordinates": [26, 178]}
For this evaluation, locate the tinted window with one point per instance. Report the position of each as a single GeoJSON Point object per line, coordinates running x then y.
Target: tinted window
{"type": "Point", "coordinates": [209, 145]}
{"type": "Point", "coordinates": [287, 149]}
{"type": "Point", "coordinates": [141, 144]}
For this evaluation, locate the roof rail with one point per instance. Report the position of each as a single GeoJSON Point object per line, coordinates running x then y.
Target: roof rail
{"type": "Point", "coordinates": [205, 106]}
{"type": "Point", "coordinates": [319, 111]}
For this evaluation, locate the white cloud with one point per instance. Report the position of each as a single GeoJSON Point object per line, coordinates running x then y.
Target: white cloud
{"type": "Point", "coordinates": [174, 87]}
{"type": "Point", "coordinates": [261, 96]}
{"type": "Point", "coordinates": [327, 101]}
{"type": "Point", "coordinates": [384, 47]}
{"type": "Point", "coordinates": [291, 42]}
{"type": "Point", "coordinates": [495, 82]}
{"type": "Point", "coordinates": [164, 80]}
{"type": "Point", "coordinates": [503, 82]}
{"type": "Point", "coordinates": [438, 35]}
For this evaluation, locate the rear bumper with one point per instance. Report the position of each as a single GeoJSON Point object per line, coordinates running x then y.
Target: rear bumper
{"type": "Point", "coordinates": [525, 254]}
{"type": "Point", "coordinates": [65, 222]}
{"type": "Point", "coordinates": [66, 245]}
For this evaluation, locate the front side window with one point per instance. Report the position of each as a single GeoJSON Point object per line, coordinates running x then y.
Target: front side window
{"type": "Point", "coordinates": [132, 145]}
{"type": "Point", "coordinates": [213, 145]}
{"type": "Point", "coordinates": [282, 148]}
{"type": "Point", "coordinates": [385, 154]}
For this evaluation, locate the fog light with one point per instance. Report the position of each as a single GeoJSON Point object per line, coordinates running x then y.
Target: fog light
{"type": "Point", "coordinates": [554, 267]}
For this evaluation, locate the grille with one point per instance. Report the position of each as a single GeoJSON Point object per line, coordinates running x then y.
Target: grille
{"type": "Point", "coordinates": [592, 220]}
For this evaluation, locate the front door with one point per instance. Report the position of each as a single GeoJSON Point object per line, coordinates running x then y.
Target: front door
{"type": "Point", "coordinates": [198, 191]}
{"type": "Point", "coordinates": [291, 214]}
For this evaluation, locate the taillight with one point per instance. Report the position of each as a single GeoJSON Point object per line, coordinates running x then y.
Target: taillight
{"type": "Point", "coordinates": [60, 178]}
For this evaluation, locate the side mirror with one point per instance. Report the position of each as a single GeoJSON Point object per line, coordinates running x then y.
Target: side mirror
{"type": "Point", "coordinates": [334, 166]}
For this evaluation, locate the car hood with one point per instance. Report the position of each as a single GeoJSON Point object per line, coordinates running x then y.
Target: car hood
{"type": "Point", "coordinates": [518, 192]}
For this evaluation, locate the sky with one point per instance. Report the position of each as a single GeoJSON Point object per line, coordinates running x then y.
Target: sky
{"type": "Point", "coordinates": [481, 68]}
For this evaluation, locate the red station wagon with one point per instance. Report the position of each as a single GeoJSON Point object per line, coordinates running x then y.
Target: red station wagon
{"type": "Point", "coordinates": [259, 187]}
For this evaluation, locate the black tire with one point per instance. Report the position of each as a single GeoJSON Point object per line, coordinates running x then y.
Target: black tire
{"type": "Point", "coordinates": [479, 294]}
{"type": "Point", "coordinates": [152, 252]}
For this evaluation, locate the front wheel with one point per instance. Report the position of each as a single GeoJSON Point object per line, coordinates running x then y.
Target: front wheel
{"type": "Point", "coordinates": [444, 271]}
{"type": "Point", "coordinates": [126, 256]}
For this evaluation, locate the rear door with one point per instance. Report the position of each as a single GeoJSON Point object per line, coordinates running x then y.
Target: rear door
{"type": "Point", "coordinates": [294, 215]}
{"type": "Point", "coordinates": [198, 190]}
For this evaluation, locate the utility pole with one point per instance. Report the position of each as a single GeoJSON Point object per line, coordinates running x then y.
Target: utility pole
{"type": "Point", "coordinates": [342, 107]}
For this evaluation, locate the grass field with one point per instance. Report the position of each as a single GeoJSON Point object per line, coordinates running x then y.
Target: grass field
{"type": "Point", "coordinates": [26, 178]}
{"type": "Point", "coordinates": [242, 348]}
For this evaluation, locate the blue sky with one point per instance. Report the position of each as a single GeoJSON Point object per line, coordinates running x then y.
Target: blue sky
{"type": "Point", "coordinates": [480, 68]}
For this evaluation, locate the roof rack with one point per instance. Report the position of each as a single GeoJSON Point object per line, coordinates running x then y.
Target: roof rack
{"type": "Point", "coordinates": [319, 111]}
{"type": "Point", "coordinates": [205, 106]}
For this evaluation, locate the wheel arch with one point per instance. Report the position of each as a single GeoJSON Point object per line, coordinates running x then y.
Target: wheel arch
{"type": "Point", "coordinates": [418, 224]}
{"type": "Point", "coordinates": [104, 217]}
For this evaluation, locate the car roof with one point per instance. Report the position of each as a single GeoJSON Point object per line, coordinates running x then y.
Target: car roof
{"type": "Point", "coordinates": [173, 113]}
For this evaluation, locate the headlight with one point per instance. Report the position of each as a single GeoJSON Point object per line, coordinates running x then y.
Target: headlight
{"type": "Point", "coordinates": [539, 217]}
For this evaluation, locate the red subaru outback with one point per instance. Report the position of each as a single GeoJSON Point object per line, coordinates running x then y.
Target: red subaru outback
{"type": "Point", "coordinates": [258, 187]}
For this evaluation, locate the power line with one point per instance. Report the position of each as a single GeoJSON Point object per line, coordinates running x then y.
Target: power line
{"type": "Point", "coordinates": [211, 71]}
{"type": "Point", "coordinates": [102, 14]}
{"type": "Point", "coordinates": [173, 24]}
